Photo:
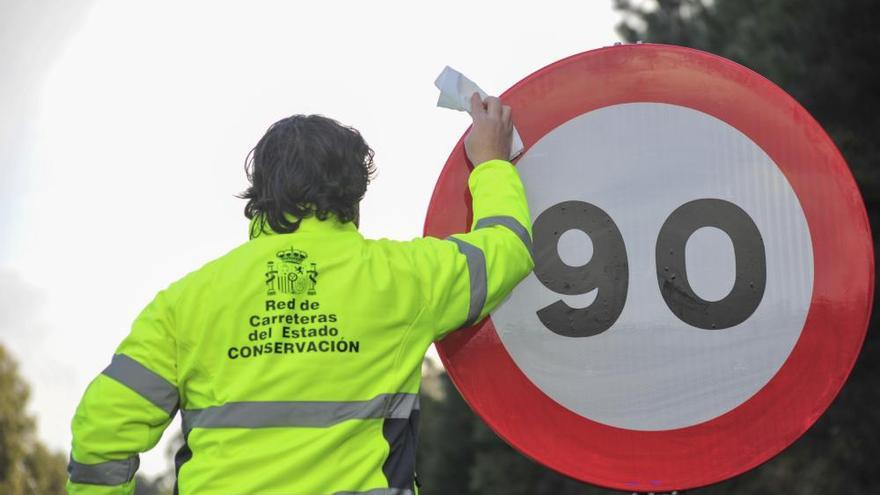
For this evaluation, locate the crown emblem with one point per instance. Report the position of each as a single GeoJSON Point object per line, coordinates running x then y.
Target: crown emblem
{"type": "Point", "coordinates": [292, 256]}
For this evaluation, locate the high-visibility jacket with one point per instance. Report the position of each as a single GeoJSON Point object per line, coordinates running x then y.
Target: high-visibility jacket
{"type": "Point", "coordinates": [295, 359]}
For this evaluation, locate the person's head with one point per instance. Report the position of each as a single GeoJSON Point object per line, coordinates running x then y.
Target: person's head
{"type": "Point", "coordinates": [306, 165]}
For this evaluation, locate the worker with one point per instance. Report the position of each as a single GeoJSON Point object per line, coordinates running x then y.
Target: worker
{"type": "Point", "coordinates": [295, 359]}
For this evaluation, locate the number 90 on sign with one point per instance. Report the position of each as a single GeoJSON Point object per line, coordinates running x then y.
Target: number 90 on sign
{"type": "Point", "coordinates": [607, 272]}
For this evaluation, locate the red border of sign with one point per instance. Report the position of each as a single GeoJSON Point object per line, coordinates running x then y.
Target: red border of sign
{"type": "Point", "coordinates": [836, 323]}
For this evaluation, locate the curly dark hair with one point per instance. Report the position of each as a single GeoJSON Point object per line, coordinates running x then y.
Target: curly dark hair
{"type": "Point", "coordinates": [306, 165]}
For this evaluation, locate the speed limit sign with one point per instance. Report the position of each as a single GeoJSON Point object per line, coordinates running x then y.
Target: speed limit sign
{"type": "Point", "coordinates": [703, 272]}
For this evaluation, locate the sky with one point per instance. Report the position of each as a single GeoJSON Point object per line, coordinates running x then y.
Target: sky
{"type": "Point", "coordinates": [125, 126]}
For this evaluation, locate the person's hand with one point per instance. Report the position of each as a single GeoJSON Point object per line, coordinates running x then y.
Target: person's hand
{"type": "Point", "coordinates": [491, 133]}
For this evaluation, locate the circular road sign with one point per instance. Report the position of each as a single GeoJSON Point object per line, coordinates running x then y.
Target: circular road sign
{"type": "Point", "coordinates": [703, 272]}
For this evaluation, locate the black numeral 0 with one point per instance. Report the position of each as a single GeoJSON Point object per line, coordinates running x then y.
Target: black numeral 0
{"type": "Point", "coordinates": [607, 270]}
{"type": "Point", "coordinates": [751, 265]}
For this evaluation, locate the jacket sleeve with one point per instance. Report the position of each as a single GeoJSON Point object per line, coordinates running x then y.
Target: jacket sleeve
{"type": "Point", "coordinates": [468, 274]}
{"type": "Point", "coordinates": [127, 407]}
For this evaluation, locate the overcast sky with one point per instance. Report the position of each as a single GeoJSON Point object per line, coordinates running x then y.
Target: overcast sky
{"type": "Point", "coordinates": [125, 126]}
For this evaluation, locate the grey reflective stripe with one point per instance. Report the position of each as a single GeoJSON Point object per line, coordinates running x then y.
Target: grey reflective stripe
{"type": "Point", "coordinates": [476, 263]}
{"type": "Point", "coordinates": [105, 473]}
{"type": "Point", "coordinates": [379, 491]}
{"type": "Point", "coordinates": [512, 224]}
{"type": "Point", "coordinates": [142, 380]}
{"type": "Point", "coordinates": [298, 413]}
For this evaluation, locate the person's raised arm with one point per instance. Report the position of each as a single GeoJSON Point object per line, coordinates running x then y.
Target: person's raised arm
{"type": "Point", "coordinates": [127, 407]}
{"type": "Point", "coordinates": [470, 273]}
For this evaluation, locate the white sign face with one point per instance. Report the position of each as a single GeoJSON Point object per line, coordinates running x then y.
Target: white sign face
{"type": "Point", "coordinates": [636, 165]}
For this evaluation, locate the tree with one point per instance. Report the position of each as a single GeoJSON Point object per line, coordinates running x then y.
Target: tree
{"type": "Point", "coordinates": [459, 454]}
{"type": "Point", "coordinates": [47, 470]}
{"type": "Point", "coordinates": [445, 450]}
{"type": "Point", "coordinates": [26, 465]}
{"type": "Point", "coordinates": [825, 55]}
{"type": "Point", "coordinates": [822, 53]}
{"type": "Point", "coordinates": [15, 426]}
{"type": "Point", "coordinates": [152, 486]}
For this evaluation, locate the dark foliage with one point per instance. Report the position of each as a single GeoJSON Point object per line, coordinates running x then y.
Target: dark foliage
{"type": "Point", "coordinates": [826, 55]}
{"type": "Point", "coordinates": [26, 465]}
{"type": "Point", "coordinates": [458, 454]}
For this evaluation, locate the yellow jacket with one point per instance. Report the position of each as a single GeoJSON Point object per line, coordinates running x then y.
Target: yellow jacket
{"type": "Point", "coordinates": [295, 359]}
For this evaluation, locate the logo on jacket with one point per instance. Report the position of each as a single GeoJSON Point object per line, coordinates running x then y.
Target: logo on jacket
{"type": "Point", "coordinates": [291, 255]}
{"type": "Point", "coordinates": [290, 275]}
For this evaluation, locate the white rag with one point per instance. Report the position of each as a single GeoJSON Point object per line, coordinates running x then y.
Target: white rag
{"type": "Point", "coordinates": [455, 93]}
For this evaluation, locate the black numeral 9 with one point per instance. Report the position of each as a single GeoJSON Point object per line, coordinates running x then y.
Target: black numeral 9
{"type": "Point", "coordinates": [607, 270]}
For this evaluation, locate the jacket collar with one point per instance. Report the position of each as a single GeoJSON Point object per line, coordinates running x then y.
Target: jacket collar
{"type": "Point", "coordinates": [307, 224]}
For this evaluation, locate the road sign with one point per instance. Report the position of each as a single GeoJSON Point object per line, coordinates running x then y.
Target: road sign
{"type": "Point", "coordinates": [703, 280]}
